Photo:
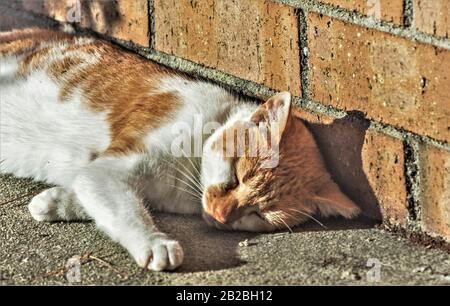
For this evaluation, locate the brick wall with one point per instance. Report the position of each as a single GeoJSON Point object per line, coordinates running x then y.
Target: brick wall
{"type": "Point", "coordinates": [373, 79]}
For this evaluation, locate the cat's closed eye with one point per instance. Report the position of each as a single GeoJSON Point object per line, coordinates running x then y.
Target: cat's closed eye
{"type": "Point", "coordinates": [231, 185]}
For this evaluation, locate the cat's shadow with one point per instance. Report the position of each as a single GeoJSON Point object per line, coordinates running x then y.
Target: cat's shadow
{"type": "Point", "coordinates": [209, 249]}
{"type": "Point", "coordinates": [206, 248]}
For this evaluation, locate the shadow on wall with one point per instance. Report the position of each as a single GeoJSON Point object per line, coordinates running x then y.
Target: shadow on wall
{"type": "Point", "coordinates": [100, 15]}
{"type": "Point", "coordinates": [15, 19]}
{"type": "Point", "coordinates": [341, 144]}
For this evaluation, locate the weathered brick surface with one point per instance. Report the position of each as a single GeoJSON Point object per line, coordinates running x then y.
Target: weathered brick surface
{"type": "Point", "coordinates": [435, 197]}
{"type": "Point", "coordinates": [433, 17]}
{"type": "Point", "coordinates": [391, 79]}
{"type": "Point", "coordinates": [385, 10]}
{"type": "Point", "coordinates": [384, 166]}
{"type": "Point", "coordinates": [256, 40]}
{"type": "Point", "coordinates": [123, 19]}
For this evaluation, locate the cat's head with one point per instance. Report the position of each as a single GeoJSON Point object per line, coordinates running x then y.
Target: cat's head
{"type": "Point", "coordinates": [280, 184]}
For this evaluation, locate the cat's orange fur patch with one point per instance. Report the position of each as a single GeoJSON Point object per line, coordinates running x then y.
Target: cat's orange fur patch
{"type": "Point", "coordinates": [23, 41]}
{"type": "Point", "coordinates": [128, 92]}
{"type": "Point", "coordinates": [121, 84]}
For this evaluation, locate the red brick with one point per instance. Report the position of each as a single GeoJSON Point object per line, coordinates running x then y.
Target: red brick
{"type": "Point", "coordinates": [123, 19]}
{"type": "Point", "coordinates": [389, 78]}
{"type": "Point", "coordinates": [432, 17]}
{"type": "Point", "coordinates": [384, 165]}
{"type": "Point", "coordinates": [254, 40]}
{"type": "Point", "coordinates": [385, 10]}
{"type": "Point", "coordinates": [435, 197]}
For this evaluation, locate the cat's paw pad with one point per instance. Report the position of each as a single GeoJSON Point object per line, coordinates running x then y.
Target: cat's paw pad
{"type": "Point", "coordinates": [163, 254]}
{"type": "Point", "coordinates": [43, 207]}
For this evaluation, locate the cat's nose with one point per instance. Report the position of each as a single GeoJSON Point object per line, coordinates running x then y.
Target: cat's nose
{"type": "Point", "coordinates": [224, 214]}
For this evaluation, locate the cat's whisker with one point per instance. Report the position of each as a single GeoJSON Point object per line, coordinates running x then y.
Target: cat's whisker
{"type": "Point", "coordinates": [197, 187]}
{"type": "Point", "coordinates": [193, 177]}
{"type": "Point", "coordinates": [186, 191]}
{"type": "Point", "coordinates": [288, 227]}
{"type": "Point", "coordinates": [309, 216]}
{"type": "Point", "coordinates": [192, 189]}
{"type": "Point", "coordinates": [186, 184]}
{"type": "Point", "coordinates": [188, 175]}
{"type": "Point", "coordinates": [194, 165]}
{"type": "Point", "coordinates": [275, 217]}
{"type": "Point", "coordinates": [190, 161]}
{"type": "Point", "coordinates": [278, 222]}
{"type": "Point", "coordinates": [195, 168]}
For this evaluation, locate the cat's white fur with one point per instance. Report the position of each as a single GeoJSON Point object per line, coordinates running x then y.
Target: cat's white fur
{"type": "Point", "coordinates": [53, 142]}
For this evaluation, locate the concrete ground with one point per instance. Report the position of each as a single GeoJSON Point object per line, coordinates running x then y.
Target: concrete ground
{"type": "Point", "coordinates": [37, 253]}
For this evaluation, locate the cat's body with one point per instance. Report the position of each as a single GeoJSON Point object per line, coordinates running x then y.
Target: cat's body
{"type": "Point", "coordinates": [53, 138]}
{"type": "Point", "coordinates": [99, 122]}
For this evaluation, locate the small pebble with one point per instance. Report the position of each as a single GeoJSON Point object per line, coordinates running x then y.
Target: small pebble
{"type": "Point", "coordinates": [279, 235]}
{"type": "Point", "coordinates": [421, 269]}
{"type": "Point", "coordinates": [243, 243]}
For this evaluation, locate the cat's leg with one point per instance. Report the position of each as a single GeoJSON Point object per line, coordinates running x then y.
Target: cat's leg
{"type": "Point", "coordinates": [105, 194]}
{"type": "Point", "coordinates": [56, 204]}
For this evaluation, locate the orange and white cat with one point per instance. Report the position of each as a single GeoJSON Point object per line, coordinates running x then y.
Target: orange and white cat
{"type": "Point", "coordinates": [98, 122]}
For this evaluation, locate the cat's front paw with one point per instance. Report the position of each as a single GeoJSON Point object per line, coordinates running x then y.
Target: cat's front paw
{"type": "Point", "coordinates": [43, 207]}
{"type": "Point", "coordinates": [162, 254]}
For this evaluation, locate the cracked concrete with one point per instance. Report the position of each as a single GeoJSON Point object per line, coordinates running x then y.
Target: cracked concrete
{"type": "Point", "coordinates": [36, 253]}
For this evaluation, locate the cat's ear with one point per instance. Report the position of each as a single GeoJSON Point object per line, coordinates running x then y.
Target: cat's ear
{"type": "Point", "coordinates": [275, 112]}
{"type": "Point", "coordinates": [331, 201]}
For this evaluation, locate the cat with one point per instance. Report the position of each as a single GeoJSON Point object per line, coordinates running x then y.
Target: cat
{"type": "Point", "coordinates": [98, 122]}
